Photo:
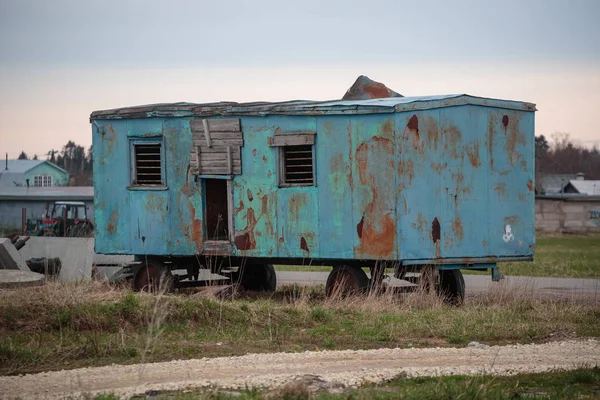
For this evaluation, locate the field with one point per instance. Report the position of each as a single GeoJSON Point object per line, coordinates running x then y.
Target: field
{"type": "Point", "coordinates": [62, 326]}
{"type": "Point", "coordinates": [555, 256]}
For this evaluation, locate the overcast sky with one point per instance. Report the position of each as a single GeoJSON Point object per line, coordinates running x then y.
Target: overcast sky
{"type": "Point", "coordinates": [60, 60]}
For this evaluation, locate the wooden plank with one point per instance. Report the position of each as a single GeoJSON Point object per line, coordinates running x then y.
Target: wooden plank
{"type": "Point", "coordinates": [235, 150]}
{"type": "Point", "coordinates": [220, 156]}
{"type": "Point", "coordinates": [219, 143]}
{"type": "Point", "coordinates": [217, 134]}
{"type": "Point", "coordinates": [220, 124]}
{"type": "Point", "coordinates": [292, 139]}
{"type": "Point", "coordinates": [219, 163]}
{"type": "Point", "coordinates": [229, 161]}
{"type": "Point", "coordinates": [220, 171]}
{"type": "Point", "coordinates": [206, 132]}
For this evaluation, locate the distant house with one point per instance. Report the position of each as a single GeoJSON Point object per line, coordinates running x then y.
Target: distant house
{"type": "Point", "coordinates": [555, 183]}
{"type": "Point", "coordinates": [37, 173]}
{"type": "Point", "coordinates": [590, 188]}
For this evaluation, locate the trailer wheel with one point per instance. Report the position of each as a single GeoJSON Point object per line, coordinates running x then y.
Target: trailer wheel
{"type": "Point", "coordinates": [258, 277]}
{"type": "Point", "coordinates": [345, 280]}
{"type": "Point", "coordinates": [452, 286]}
{"type": "Point", "coordinates": [152, 277]}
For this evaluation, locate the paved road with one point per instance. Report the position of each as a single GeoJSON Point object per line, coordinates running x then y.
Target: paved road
{"type": "Point", "coordinates": [477, 284]}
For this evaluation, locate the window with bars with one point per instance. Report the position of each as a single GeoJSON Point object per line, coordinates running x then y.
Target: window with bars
{"type": "Point", "coordinates": [297, 166]}
{"type": "Point", "coordinates": [147, 164]}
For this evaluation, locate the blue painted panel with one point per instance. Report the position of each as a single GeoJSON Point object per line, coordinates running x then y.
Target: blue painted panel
{"type": "Point", "coordinates": [420, 165]}
{"type": "Point", "coordinates": [511, 191]}
{"type": "Point", "coordinates": [111, 177]}
{"type": "Point", "coordinates": [373, 184]}
{"type": "Point", "coordinates": [464, 182]}
{"type": "Point", "coordinates": [185, 212]}
{"type": "Point", "coordinates": [149, 224]}
{"type": "Point", "coordinates": [254, 195]}
{"type": "Point", "coordinates": [334, 155]}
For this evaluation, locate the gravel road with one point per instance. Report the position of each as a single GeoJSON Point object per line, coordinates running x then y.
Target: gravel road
{"type": "Point", "coordinates": [335, 368]}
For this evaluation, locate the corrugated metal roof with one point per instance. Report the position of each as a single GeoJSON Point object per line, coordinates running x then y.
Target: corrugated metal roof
{"type": "Point", "coordinates": [591, 188]}
{"type": "Point", "coordinates": [304, 107]}
{"type": "Point", "coordinates": [13, 175]}
{"type": "Point", "coordinates": [47, 193]}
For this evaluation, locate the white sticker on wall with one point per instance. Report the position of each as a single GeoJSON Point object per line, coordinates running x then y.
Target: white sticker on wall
{"type": "Point", "coordinates": [508, 235]}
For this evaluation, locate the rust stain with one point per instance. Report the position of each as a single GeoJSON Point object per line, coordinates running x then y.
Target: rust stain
{"type": "Point", "coordinates": [413, 129]}
{"type": "Point", "coordinates": [269, 174]}
{"type": "Point", "coordinates": [359, 227]}
{"type": "Point", "coordinates": [243, 242]}
{"type": "Point", "coordinates": [113, 222]}
{"type": "Point", "coordinates": [254, 151]}
{"type": "Point", "coordinates": [303, 244]}
{"type": "Point", "coordinates": [453, 141]}
{"type": "Point", "coordinates": [250, 197]}
{"type": "Point", "coordinates": [474, 155]}
{"type": "Point", "coordinates": [405, 205]}
{"type": "Point", "coordinates": [530, 185]}
{"type": "Point", "coordinates": [432, 132]}
{"type": "Point", "coordinates": [238, 208]}
{"type": "Point", "coordinates": [512, 220]}
{"type": "Point", "coordinates": [435, 230]}
{"type": "Point", "coordinates": [457, 228]}
{"type": "Point", "coordinates": [436, 236]}
{"type": "Point", "coordinates": [514, 137]}
{"type": "Point", "coordinates": [387, 129]}
{"type": "Point", "coordinates": [264, 204]}
{"type": "Point", "coordinates": [505, 122]}
{"type": "Point", "coordinates": [246, 240]}
{"type": "Point", "coordinates": [422, 222]}
{"type": "Point", "coordinates": [378, 228]}
{"type": "Point", "coordinates": [500, 189]}
{"type": "Point", "coordinates": [438, 167]}
{"type": "Point", "coordinates": [264, 158]}
{"type": "Point", "coordinates": [406, 168]}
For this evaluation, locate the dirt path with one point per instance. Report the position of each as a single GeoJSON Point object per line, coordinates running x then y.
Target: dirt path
{"type": "Point", "coordinates": [345, 368]}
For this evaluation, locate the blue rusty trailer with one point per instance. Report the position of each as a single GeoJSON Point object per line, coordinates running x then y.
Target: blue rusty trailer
{"type": "Point", "coordinates": [443, 182]}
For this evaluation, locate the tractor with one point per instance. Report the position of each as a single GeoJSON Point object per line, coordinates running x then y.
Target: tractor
{"type": "Point", "coordinates": [62, 219]}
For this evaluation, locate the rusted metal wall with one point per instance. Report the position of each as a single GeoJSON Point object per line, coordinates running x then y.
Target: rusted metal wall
{"type": "Point", "coordinates": [442, 183]}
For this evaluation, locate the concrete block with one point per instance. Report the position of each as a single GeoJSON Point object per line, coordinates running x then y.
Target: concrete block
{"type": "Point", "coordinates": [76, 255]}
{"type": "Point", "coordinates": [10, 258]}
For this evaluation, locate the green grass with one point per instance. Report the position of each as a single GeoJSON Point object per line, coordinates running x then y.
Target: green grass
{"type": "Point", "coordinates": [575, 384]}
{"type": "Point", "coordinates": [559, 256]}
{"type": "Point", "coordinates": [67, 326]}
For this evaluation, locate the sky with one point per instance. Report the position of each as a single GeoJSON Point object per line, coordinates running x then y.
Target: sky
{"type": "Point", "coordinates": [60, 60]}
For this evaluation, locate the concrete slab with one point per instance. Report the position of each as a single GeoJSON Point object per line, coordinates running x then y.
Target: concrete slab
{"type": "Point", "coordinates": [14, 278]}
{"type": "Point", "coordinates": [75, 254]}
{"type": "Point", "coordinates": [10, 258]}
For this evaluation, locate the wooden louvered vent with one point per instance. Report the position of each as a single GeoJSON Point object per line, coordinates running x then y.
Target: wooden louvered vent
{"type": "Point", "coordinates": [216, 149]}
{"type": "Point", "coordinates": [298, 164]}
{"type": "Point", "coordinates": [148, 169]}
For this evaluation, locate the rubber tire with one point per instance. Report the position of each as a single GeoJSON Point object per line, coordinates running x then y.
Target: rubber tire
{"type": "Point", "coordinates": [155, 269]}
{"type": "Point", "coordinates": [258, 278]}
{"type": "Point", "coordinates": [359, 281]}
{"type": "Point", "coordinates": [452, 286]}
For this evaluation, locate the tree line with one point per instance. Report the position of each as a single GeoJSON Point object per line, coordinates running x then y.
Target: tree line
{"type": "Point", "coordinates": [559, 155]}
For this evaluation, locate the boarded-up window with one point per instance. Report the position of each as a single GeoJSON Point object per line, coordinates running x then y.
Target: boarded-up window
{"type": "Point", "coordinates": [296, 163]}
{"type": "Point", "coordinates": [147, 164]}
{"type": "Point", "coordinates": [216, 149]}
